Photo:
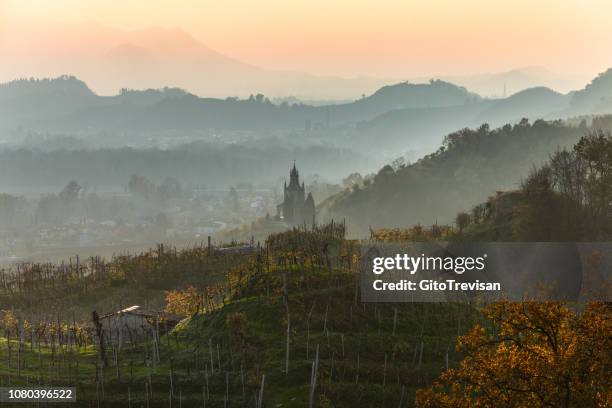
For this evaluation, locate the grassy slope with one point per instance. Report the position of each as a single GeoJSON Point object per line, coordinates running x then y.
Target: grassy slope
{"type": "Point", "coordinates": [354, 341]}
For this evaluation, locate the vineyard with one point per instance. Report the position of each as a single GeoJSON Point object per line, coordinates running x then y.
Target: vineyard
{"type": "Point", "coordinates": [282, 324]}
{"type": "Point", "coordinates": [279, 324]}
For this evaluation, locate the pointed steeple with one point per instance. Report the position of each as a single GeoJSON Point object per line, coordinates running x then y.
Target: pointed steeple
{"type": "Point", "coordinates": [310, 200]}
{"type": "Point", "coordinates": [294, 171]}
{"type": "Point", "coordinates": [294, 177]}
{"type": "Point", "coordinates": [295, 209]}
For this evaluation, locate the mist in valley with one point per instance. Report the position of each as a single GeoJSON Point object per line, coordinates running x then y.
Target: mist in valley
{"type": "Point", "coordinates": [82, 173]}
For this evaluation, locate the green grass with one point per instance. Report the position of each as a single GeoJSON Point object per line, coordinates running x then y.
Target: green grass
{"type": "Point", "coordinates": [367, 358]}
{"type": "Point", "coordinates": [352, 331]}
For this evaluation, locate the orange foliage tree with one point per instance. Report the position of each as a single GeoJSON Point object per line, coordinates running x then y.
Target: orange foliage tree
{"type": "Point", "coordinates": [183, 302]}
{"type": "Point", "coordinates": [533, 355]}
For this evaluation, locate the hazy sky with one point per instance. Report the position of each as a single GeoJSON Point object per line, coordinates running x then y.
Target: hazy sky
{"type": "Point", "coordinates": [354, 37]}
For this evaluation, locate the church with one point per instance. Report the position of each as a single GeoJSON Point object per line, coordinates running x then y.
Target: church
{"type": "Point", "coordinates": [295, 209]}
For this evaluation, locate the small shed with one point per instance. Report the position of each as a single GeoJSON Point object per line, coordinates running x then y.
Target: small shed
{"type": "Point", "coordinates": [136, 323]}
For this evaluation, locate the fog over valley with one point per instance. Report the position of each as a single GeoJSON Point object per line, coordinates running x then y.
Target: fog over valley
{"type": "Point", "coordinates": [81, 170]}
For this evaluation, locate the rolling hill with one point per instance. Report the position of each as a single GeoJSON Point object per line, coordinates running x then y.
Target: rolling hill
{"type": "Point", "coordinates": [66, 103]}
{"type": "Point", "coordinates": [532, 103]}
{"type": "Point", "coordinates": [463, 172]}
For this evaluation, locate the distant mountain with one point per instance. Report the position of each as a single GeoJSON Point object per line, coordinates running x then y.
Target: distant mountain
{"type": "Point", "coordinates": [110, 59]}
{"type": "Point", "coordinates": [64, 87]}
{"type": "Point", "coordinates": [436, 93]}
{"type": "Point", "coordinates": [29, 101]}
{"type": "Point", "coordinates": [422, 129]}
{"type": "Point", "coordinates": [501, 84]}
{"type": "Point", "coordinates": [66, 109]}
{"type": "Point", "coordinates": [532, 103]}
{"type": "Point", "coordinates": [66, 102]}
{"type": "Point", "coordinates": [392, 120]}
{"type": "Point", "coordinates": [152, 57]}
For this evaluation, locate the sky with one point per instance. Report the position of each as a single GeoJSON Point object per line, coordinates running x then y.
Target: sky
{"type": "Point", "coordinates": [385, 38]}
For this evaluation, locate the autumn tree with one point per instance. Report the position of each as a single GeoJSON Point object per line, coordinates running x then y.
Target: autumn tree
{"type": "Point", "coordinates": [532, 355]}
{"type": "Point", "coordinates": [183, 302]}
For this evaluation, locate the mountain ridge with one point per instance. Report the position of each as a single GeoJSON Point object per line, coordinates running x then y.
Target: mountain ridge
{"type": "Point", "coordinates": [106, 58]}
{"type": "Point", "coordinates": [395, 118]}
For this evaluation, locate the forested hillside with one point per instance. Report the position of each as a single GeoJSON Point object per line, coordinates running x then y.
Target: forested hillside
{"type": "Point", "coordinates": [596, 97]}
{"type": "Point", "coordinates": [468, 167]}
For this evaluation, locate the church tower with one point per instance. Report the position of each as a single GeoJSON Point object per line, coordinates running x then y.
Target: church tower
{"type": "Point", "coordinates": [295, 208]}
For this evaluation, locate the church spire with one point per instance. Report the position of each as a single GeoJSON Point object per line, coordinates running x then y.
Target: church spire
{"type": "Point", "coordinates": [294, 171]}
{"type": "Point", "coordinates": [295, 208]}
{"type": "Point", "coordinates": [294, 176]}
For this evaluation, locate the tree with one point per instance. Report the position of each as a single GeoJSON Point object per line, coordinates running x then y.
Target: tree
{"type": "Point", "coordinates": [533, 355]}
{"type": "Point", "coordinates": [398, 163]}
{"type": "Point", "coordinates": [384, 174]}
{"type": "Point", "coordinates": [538, 214]}
{"type": "Point", "coordinates": [70, 194]}
{"type": "Point", "coordinates": [183, 302]}
{"type": "Point", "coordinates": [596, 151]}
{"type": "Point", "coordinates": [570, 197]}
{"type": "Point", "coordinates": [462, 220]}
{"type": "Point", "coordinates": [352, 179]}
{"type": "Point", "coordinates": [140, 186]}
{"type": "Point", "coordinates": [479, 213]}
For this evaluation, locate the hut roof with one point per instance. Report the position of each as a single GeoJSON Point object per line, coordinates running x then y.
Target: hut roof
{"type": "Point", "coordinates": [137, 310]}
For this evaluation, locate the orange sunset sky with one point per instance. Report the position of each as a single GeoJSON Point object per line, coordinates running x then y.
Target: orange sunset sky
{"type": "Point", "coordinates": [347, 38]}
